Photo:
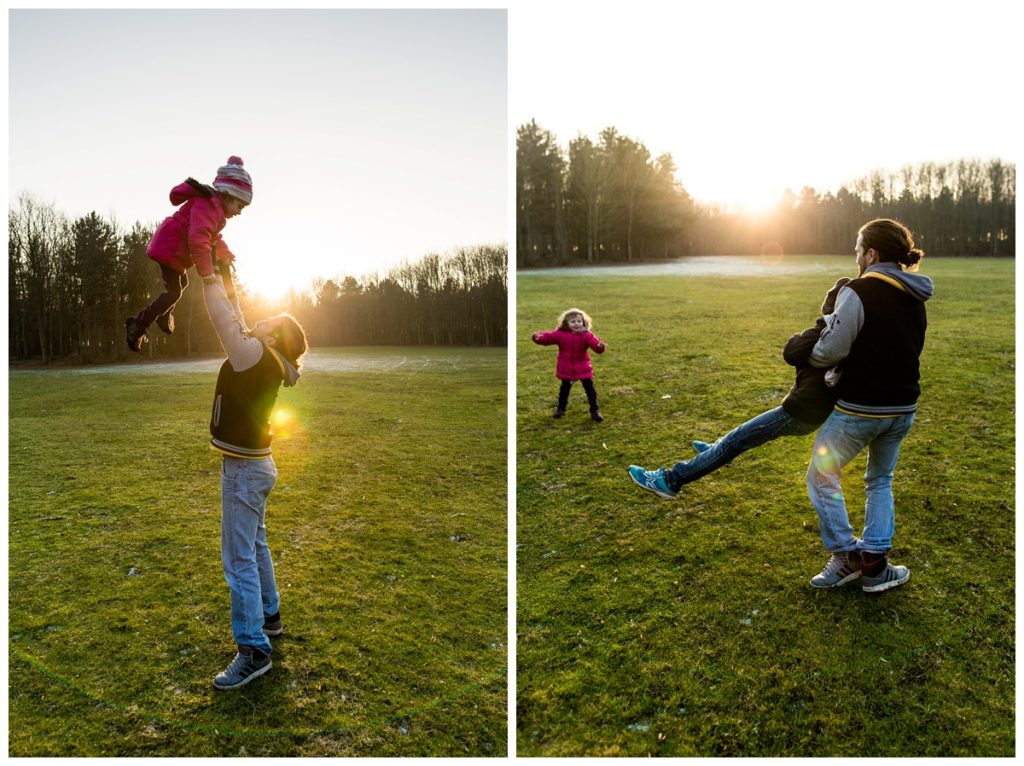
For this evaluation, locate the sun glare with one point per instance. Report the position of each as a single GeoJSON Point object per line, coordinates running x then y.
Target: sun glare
{"type": "Point", "coordinates": [283, 423]}
{"type": "Point", "coordinates": [748, 202]}
{"type": "Point", "coordinates": [270, 285]}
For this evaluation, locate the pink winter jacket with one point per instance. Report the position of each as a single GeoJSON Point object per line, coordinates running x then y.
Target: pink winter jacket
{"type": "Point", "coordinates": [189, 235]}
{"type": "Point", "coordinates": [573, 359]}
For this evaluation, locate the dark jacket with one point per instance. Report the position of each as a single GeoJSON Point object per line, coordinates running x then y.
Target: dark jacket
{"type": "Point", "coordinates": [242, 404]}
{"type": "Point", "coordinates": [809, 400]}
{"type": "Point", "coordinates": [248, 381]}
{"type": "Point", "coordinates": [877, 331]}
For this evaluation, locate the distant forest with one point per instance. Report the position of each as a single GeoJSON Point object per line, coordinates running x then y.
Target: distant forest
{"type": "Point", "coordinates": [72, 283]}
{"type": "Point", "coordinates": [609, 201]}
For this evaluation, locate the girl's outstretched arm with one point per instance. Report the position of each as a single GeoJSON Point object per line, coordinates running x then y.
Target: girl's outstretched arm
{"type": "Point", "coordinates": [594, 342]}
{"type": "Point", "coordinates": [544, 338]}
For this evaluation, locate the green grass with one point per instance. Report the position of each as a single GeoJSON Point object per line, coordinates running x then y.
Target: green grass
{"type": "Point", "coordinates": [688, 628]}
{"type": "Point", "coordinates": [388, 528]}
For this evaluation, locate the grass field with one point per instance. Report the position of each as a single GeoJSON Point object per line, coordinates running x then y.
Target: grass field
{"type": "Point", "coordinates": [388, 528]}
{"type": "Point", "coordinates": [688, 627]}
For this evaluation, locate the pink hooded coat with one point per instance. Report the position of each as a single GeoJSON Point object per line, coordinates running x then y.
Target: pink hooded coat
{"type": "Point", "coordinates": [573, 359]}
{"type": "Point", "coordinates": [190, 235]}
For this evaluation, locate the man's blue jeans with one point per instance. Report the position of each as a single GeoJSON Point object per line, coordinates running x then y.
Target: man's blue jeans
{"type": "Point", "coordinates": [755, 432]}
{"type": "Point", "coordinates": [839, 441]}
{"type": "Point", "coordinates": [245, 485]}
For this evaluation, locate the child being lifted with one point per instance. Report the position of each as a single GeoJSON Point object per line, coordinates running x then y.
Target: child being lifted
{"type": "Point", "coordinates": [191, 236]}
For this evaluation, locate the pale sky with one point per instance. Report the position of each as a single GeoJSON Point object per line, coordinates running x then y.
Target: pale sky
{"type": "Point", "coordinates": [372, 137]}
{"type": "Point", "coordinates": [750, 97]}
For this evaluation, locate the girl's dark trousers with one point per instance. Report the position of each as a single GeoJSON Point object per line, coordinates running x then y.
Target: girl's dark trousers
{"type": "Point", "coordinates": [588, 387]}
{"type": "Point", "coordinates": [174, 284]}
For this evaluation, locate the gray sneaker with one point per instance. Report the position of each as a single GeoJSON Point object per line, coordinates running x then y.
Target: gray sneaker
{"type": "Point", "coordinates": [890, 577]}
{"type": "Point", "coordinates": [840, 569]}
{"type": "Point", "coordinates": [248, 664]}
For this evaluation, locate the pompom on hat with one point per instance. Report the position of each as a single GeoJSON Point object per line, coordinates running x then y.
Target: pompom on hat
{"type": "Point", "coordinates": [234, 179]}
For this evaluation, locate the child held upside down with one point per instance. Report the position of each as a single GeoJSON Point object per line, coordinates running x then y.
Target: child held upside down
{"type": "Point", "coordinates": [806, 406]}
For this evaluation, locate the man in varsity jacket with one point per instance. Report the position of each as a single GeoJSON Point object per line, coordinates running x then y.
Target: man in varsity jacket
{"type": "Point", "coordinates": [258, 362]}
{"type": "Point", "coordinates": [873, 342]}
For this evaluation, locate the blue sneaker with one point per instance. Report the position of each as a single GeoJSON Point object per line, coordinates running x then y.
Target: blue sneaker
{"type": "Point", "coordinates": [652, 481]}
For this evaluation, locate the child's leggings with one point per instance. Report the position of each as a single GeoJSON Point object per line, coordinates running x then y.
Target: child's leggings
{"type": "Point", "coordinates": [174, 284]}
{"type": "Point", "coordinates": [588, 387]}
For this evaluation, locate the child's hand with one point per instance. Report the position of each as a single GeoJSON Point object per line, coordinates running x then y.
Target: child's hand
{"type": "Point", "coordinates": [535, 337]}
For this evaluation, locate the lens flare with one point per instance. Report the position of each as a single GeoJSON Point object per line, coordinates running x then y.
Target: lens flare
{"type": "Point", "coordinates": [824, 460]}
{"type": "Point", "coordinates": [283, 423]}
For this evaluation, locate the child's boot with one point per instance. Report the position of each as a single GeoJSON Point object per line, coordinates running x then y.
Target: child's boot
{"type": "Point", "coordinates": [166, 323]}
{"type": "Point", "coordinates": [559, 411]}
{"type": "Point", "coordinates": [135, 334]}
{"type": "Point", "coordinates": [595, 414]}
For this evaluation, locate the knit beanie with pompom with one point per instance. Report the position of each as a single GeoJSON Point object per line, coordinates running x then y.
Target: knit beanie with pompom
{"type": "Point", "coordinates": [235, 180]}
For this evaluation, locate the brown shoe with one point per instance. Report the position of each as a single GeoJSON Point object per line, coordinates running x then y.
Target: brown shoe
{"type": "Point", "coordinates": [559, 411]}
{"type": "Point", "coordinates": [273, 626]}
{"type": "Point", "coordinates": [136, 336]}
{"type": "Point", "coordinates": [166, 323]}
{"type": "Point", "coordinates": [873, 564]}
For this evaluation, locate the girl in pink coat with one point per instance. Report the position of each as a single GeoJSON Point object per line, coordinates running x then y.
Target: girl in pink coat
{"type": "Point", "coordinates": [573, 338]}
{"type": "Point", "coordinates": [191, 237]}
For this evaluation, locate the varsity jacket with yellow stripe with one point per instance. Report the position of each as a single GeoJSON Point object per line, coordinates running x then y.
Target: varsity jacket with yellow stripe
{"type": "Point", "coordinates": [875, 336]}
{"type": "Point", "coordinates": [247, 383]}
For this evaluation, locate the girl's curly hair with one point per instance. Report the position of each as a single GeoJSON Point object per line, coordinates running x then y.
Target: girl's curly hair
{"type": "Point", "coordinates": [563, 319]}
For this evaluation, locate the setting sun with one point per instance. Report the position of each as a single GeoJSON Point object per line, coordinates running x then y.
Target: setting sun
{"type": "Point", "coordinates": [270, 283]}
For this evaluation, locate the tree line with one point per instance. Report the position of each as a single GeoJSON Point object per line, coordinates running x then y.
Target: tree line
{"type": "Point", "coordinates": [72, 282]}
{"type": "Point", "coordinates": [611, 201]}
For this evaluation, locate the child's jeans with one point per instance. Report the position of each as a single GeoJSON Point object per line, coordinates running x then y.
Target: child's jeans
{"type": "Point", "coordinates": [755, 432]}
{"type": "Point", "coordinates": [588, 387]}
{"type": "Point", "coordinates": [174, 284]}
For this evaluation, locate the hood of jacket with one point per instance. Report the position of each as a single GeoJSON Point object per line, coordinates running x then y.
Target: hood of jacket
{"type": "Point", "coordinates": [917, 285]}
{"type": "Point", "coordinates": [291, 374]}
{"type": "Point", "coordinates": [190, 189]}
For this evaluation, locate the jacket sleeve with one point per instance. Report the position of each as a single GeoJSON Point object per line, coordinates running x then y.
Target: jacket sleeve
{"type": "Point", "coordinates": [797, 351]}
{"type": "Point", "coordinates": [544, 338]}
{"type": "Point", "coordinates": [594, 342]}
{"type": "Point", "coordinates": [203, 232]}
{"type": "Point", "coordinates": [841, 329]}
{"type": "Point", "coordinates": [243, 351]}
{"type": "Point", "coordinates": [224, 254]}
